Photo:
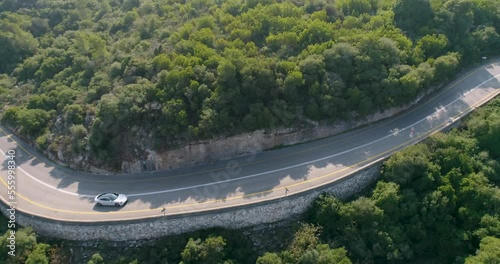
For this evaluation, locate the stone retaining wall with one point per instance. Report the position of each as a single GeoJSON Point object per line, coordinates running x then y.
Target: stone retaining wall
{"type": "Point", "coordinates": [287, 208]}
{"type": "Point", "coordinates": [222, 148]}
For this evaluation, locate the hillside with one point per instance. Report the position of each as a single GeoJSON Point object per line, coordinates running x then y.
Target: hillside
{"type": "Point", "coordinates": [104, 81]}
{"type": "Point", "coordinates": [436, 202]}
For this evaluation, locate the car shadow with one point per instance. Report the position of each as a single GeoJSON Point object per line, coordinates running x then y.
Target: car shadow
{"type": "Point", "coordinates": [108, 208]}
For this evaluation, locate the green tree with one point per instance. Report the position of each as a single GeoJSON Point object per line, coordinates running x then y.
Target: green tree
{"type": "Point", "coordinates": [387, 197]}
{"type": "Point", "coordinates": [269, 258]}
{"type": "Point", "coordinates": [74, 114]}
{"type": "Point", "coordinates": [489, 252]}
{"type": "Point", "coordinates": [455, 19]}
{"type": "Point", "coordinates": [33, 121]}
{"type": "Point", "coordinates": [38, 255]}
{"type": "Point", "coordinates": [340, 59]}
{"type": "Point", "coordinates": [305, 239]}
{"type": "Point", "coordinates": [432, 46]}
{"type": "Point", "coordinates": [288, 40]}
{"type": "Point", "coordinates": [293, 84]}
{"type": "Point", "coordinates": [486, 127]}
{"type": "Point", "coordinates": [317, 32]}
{"type": "Point", "coordinates": [210, 250]}
{"type": "Point", "coordinates": [446, 66]}
{"type": "Point", "coordinates": [354, 7]}
{"type": "Point", "coordinates": [174, 117]}
{"type": "Point", "coordinates": [96, 259]}
{"type": "Point", "coordinates": [489, 226]}
{"type": "Point", "coordinates": [26, 242]}
{"type": "Point", "coordinates": [312, 68]}
{"type": "Point", "coordinates": [9, 116]}
{"type": "Point", "coordinates": [16, 42]}
{"type": "Point", "coordinates": [323, 254]}
{"type": "Point", "coordinates": [412, 15]}
{"type": "Point", "coordinates": [485, 38]}
{"type": "Point", "coordinates": [412, 166]}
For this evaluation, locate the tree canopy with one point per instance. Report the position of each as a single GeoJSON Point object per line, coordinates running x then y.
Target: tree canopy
{"type": "Point", "coordinates": [437, 200]}
{"type": "Point", "coordinates": [179, 71]}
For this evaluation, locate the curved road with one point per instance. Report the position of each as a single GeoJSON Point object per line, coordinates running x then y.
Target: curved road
{"type": "Point", "coordinates": [47, 190]}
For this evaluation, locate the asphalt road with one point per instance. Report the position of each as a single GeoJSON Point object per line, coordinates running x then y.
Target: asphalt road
{"type": "Point", "coordinates": [51, 191]}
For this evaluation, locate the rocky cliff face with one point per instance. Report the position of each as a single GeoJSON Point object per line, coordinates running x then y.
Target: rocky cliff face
{"type": "Point", "coordinates": [243, 144]}
{"type": "Point", "coordinates": [138, 154]}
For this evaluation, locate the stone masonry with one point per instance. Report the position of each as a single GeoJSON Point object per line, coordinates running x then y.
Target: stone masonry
{"type": "Point", "coordinates": [286, 208]}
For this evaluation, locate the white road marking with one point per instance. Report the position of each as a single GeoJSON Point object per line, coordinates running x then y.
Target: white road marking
{"type": "Point", "coordinates": [257, 174]}
{"type": "Point", "coordinates": [46, 184]}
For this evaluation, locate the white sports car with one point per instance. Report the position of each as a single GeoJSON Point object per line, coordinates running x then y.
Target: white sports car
{"type": "Point", "coordinates": [111, 199]}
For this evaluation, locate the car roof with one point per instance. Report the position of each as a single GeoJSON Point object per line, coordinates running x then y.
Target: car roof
{"type": "Point", "coordinates": [102, 195]}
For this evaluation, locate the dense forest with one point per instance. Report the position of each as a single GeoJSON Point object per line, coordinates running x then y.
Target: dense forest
{"type": "Point", "coordinates": [98, 79]}
{"type": "Point", "coordinates": [436, 202]}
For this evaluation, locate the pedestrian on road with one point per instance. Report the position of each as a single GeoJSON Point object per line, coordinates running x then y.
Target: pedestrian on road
{"type": "Point", "coordinates": [164, 210]}
{"type": "Point", "coordinates": [286, 191]}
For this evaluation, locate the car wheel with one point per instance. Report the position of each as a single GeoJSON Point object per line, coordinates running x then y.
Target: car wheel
{"type": "Point", "coordinates": [117, 204]}
{"type": "Point", "coordinates": [99, 204]}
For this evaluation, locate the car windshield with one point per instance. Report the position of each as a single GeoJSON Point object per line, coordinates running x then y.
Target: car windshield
{"type": "Point", "coordinates": [108, 196]}
{"type": "Point", "coordinates": [112, 196]}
